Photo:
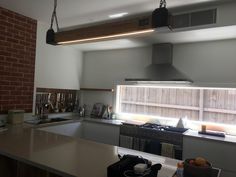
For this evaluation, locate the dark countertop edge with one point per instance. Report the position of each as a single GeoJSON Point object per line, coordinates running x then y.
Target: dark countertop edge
{"type": "Point", "coordinates": [34, 164]}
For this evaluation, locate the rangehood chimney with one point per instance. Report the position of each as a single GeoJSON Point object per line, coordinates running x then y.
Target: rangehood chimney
{"type": "Point", "coordinates": [161, 70]}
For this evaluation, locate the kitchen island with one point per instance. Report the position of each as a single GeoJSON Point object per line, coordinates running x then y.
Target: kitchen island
{"type": "Point", "coordinates": [56, 155]}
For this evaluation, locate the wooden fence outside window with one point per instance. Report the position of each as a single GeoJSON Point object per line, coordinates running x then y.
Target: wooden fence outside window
{"type": "Point", "coordinates": [200, 104]}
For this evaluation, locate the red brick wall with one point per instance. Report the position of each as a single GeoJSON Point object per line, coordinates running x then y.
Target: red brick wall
{"type": "Point", "coordinates": [17, 61]}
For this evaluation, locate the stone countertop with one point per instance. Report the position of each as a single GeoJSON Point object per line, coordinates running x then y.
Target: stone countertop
{"type": "Point", "coordinates": [226, 139]}
{"type": "Point", "coordinates": [56, 153]}
{"type": "Point", "coordinates": [64, 155]}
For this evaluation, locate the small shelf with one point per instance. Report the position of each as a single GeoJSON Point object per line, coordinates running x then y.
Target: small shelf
{"type": "Point", "coordinates": [97, 89]}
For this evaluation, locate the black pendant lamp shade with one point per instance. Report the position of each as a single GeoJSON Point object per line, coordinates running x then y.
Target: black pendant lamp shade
{"type": "Point", "coordinates": [161, 16]}
{"type": "Point", "coordinates": [50, 36]}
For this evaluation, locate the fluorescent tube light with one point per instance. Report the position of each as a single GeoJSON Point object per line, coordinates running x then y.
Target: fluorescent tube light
{"type": "Point", "coordinates": [107, 37]}
{"type": "Point", "coordinates": [119, 15]}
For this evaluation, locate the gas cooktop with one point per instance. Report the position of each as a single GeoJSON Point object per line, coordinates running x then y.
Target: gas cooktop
{"type": "Point", "coordinates": [159, 127]}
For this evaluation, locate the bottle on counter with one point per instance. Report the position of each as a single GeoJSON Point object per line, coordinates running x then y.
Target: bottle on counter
{"type": "Point", "coordinates": [82, 111]}
{"type": "Point", "coordinates": [180, 169]}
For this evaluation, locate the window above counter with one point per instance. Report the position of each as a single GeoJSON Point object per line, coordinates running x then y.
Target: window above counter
{"type": "Point", "coordinates": [198, 104]}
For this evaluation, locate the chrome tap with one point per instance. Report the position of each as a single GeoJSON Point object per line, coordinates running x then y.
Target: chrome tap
{"type": "Point", "coordinates": [43, 114]}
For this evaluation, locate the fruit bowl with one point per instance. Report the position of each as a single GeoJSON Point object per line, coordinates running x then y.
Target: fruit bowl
{"type": "Point", "coordinates": [198, 167]}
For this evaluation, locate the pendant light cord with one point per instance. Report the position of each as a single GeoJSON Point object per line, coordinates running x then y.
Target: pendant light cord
{"type": "Point", "coordinates": [54, 16]}
{"type": "Point", "coordinates": [162, 3]}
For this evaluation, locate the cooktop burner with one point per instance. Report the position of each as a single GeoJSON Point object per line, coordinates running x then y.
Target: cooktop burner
{"type": "Point", "coordinates": [159, 127]}
{"type": "Point", "coordinates": [152, 126]}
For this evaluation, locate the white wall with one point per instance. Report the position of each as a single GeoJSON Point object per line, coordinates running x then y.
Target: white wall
{"type": "Point", "coordinates": [208, 62]}
{"type": "Point", "coordinates": [56, 66]}
{"type": "Point", "coordinates": [103, 69]}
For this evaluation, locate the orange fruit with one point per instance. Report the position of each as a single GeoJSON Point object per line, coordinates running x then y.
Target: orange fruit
{"type": "Point", "coordinates": [199, 161]}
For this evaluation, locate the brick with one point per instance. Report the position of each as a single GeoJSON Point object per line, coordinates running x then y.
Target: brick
{"type": "Point", "coordinates": [23, 88]}
{"type": "Point", "coordinates": [7, 24]}
{"type": "Point", "coordinates": [25, 43]}
{"type": "Point", "coordinates": [2, 58]}
{"type": "Point", "coordinates": [20, 18]}
{"type": "Point", "coordinates": [12, 59]}
{"type": "Point", "coordinates": [30, 84]}
{"type": "Point", "coordinates": [3, 17]}
{"type": "Point", "coordinates": [16, 83]}
{"type": "Point", "coordinates": [15, 93]}
{"type": "Point", "coordinates": [4, 92]}
{"type": "Point", "coordinates": [2, 37]}
{"type": "Point", "coordinates": [5, 53]}
{"type": "Point", "coordinates": [19, 56]}
{"type": "Point", "coordinates": [11, 50]}
{"type": "Point", "coordinates": [7, 98]}
{"type": "Point", "coordinates": [19, 37]}
{"type": "Point", "coordinates": [20, 28]}
{"type": "Point", "coordinates": [7, 13]}
{"type": "Point", "coordinates": [13, 40]}
{"type": "Point", "coordinates": [4, 43]}
{"type": "Point", "coordinates": [4, 102]}
{"type": "Point", "coordinates": [2, 27]}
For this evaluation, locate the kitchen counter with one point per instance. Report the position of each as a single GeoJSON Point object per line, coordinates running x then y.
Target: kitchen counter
{"type": "Point", "coordinates": [65, 156]}
{"type": "Point", "coordinates": [192, 133]}
{"type": "Point", "coordinates": [226, 139]}
{"type": "Point", "coordinates": [117, 122]}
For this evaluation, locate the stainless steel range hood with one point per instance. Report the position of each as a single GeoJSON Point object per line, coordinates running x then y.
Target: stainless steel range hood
{"type": "Point", "coordinates": [161, 70]}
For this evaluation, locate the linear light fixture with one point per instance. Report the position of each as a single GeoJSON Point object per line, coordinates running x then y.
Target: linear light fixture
{"type": "Point", "coordinates": [107, 37]}
{"type": "Point", "coordinates": [119, 15]}
{"type": "Point", "coordinates": [111, 29]}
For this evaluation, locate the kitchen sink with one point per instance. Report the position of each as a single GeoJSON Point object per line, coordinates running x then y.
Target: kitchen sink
{"type": "Point", "coordinates": [46, 121]}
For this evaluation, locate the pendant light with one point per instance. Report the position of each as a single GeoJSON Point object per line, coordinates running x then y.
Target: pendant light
{"type": "Point", "coordinates": [161, 16]}
{"type": "Point", "coordinates": [50, 37]}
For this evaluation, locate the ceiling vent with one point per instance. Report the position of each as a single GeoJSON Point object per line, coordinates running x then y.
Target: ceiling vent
{"type": "Point", "coordinates": [197, 18]}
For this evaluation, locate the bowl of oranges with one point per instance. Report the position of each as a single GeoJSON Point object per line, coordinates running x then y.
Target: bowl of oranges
{"type": "Point", "coordinates": [198, 167]}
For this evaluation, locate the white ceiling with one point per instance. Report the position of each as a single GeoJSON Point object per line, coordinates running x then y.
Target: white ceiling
{"type": "Point", "coordinates": [75, 12]}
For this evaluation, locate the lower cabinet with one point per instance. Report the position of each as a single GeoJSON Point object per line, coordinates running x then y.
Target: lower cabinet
{"type": "Point", "coordinates": [221, 154]}
{"type": "Point", "coordinates": [100, 132]}
{"type": "Point", "coordinates": [70, 129]}
{"type": "Point", "coordinates": [14, 168]}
